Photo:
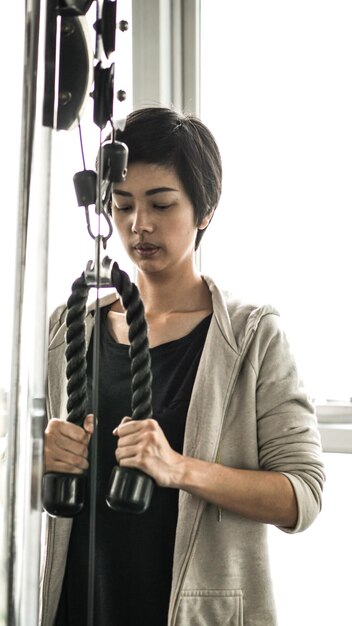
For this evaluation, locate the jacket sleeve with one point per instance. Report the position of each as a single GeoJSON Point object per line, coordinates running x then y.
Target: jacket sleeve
{"type": "Point", "coordinates": [288, 437]}
{"type": "Point", "coordinates": [56, 319]}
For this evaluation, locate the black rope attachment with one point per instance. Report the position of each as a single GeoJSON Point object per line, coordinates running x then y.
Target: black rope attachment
{"type": "Point", "coordinates": [76, 367]}
{"type": "Point", "coordinates": [139, 345]}
{"type": "Point", "coordinates": [129, 490]}
{"type": "Point", "coordinates": [64, 493]}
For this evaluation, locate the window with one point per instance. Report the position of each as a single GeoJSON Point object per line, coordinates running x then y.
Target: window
{"type": "Point", "coordinates": [275, 90]}
{"type": "Point", "coordinates": [311, 570]}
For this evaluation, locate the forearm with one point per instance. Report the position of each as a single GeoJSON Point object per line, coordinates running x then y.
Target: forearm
{"type": "Point", "coordinates": [258, 495]}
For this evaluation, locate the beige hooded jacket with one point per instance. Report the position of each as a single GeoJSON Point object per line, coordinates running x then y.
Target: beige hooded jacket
{"type": "Point", "coordinates": [248, 410]}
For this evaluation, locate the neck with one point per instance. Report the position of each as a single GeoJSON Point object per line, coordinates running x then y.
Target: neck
{"type": "Point", "coordinates": [165, 294]}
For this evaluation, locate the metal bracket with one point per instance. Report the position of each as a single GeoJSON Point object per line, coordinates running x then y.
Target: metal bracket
{"type": "Point", "coordinates": [98, 272]}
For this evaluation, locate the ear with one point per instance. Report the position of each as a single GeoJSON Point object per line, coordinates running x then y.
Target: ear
{"type": "Point", "coordinates": [206, 220]}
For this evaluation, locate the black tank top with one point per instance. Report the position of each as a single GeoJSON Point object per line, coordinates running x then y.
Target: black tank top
{"type": "Point", "coordinates": [134, 553]}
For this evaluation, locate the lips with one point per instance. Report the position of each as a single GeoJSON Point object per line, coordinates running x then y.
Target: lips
{"type": "Point", "coordinates": [145, 246]}
{"type": "Point", "coordinates": [146, 249]}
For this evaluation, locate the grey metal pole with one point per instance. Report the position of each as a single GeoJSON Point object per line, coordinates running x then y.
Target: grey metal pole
{"type": "Point", "coordinates": [27, 392]}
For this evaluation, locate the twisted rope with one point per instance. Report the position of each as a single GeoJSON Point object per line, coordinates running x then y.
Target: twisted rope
{"type": "Point", "coordinates": [76, 367]}
{"type": "Point", "coordinates": [139, 345]}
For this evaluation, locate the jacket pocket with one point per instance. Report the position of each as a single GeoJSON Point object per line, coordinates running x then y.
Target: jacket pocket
{"type": "Point", "coordinates": [210, 608]}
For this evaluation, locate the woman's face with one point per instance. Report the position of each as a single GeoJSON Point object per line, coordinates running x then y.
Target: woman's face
{"type": "Point", "coordinates": [155, 218]}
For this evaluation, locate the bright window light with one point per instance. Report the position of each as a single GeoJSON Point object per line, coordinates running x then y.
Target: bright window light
{"type": "Point", "coordinates": [276, 92]}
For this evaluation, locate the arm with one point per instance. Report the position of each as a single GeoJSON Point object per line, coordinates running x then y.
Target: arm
{"type": "Point", "coordinates": [287, 488]}
{"type": "Point", "coordinates": [258, 495]}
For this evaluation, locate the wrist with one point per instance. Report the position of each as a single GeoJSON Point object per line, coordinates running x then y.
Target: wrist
{"type": "Point", "coordinates": [179, 472]}
{"type": "Point", "coordinates": [187, 473]}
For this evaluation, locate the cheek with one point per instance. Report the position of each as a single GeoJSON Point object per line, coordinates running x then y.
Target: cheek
{"type": "Point", "coordinates": [121, 226]}
{"type": "Point", "coordinates": [188, 230]}
{"type": "Point", "coordinates": [184, 224]}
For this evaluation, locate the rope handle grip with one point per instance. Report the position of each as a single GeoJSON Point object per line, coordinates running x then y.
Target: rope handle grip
{"type": "Point", "coordinates": [129, 490]}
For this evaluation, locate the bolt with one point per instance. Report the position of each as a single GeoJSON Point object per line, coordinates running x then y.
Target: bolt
{"type": "Point", "coordinates": [121, 95]}
{"type": "Point", "coordinates": [65, 97]}
{"type": "Point", "coordinates": [123, 25]}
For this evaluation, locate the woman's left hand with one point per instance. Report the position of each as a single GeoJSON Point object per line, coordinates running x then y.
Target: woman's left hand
{"type": "Point", "coordinates": [143, 445]}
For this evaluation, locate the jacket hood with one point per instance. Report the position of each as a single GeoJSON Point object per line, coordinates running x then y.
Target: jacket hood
{"type": "Point", "coordinates": [238, 320]}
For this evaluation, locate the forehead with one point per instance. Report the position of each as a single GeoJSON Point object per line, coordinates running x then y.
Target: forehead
{"type": "Point", "coordinates": [144, 176]}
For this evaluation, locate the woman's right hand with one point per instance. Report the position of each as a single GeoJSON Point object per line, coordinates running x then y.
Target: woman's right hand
{"type": "Point", "coordinates": [66, 446]}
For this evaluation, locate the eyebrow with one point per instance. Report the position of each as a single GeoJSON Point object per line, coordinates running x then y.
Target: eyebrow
{"type": "Point", "coordinates": [149, 192]}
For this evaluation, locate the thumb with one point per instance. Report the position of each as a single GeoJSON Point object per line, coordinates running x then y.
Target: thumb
{"type": "Point", "coordinates": [123, 421]}
{"type": "Point", "coordinates": [126, 419]}
{"type": "Point", "coordinates": [88, 424]}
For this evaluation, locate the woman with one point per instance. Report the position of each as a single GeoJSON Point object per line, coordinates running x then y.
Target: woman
{"type": "Point", "coordinates": [233, 443]}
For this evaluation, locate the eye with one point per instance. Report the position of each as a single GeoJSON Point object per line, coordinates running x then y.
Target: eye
{"type": "Point", "coordinates": [120, 207]}
{"type": "Point", "coordinates": [119, 203]}
{"type": "Point", "coordinates": [162, 207]}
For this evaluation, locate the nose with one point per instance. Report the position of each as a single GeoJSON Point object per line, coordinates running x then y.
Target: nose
{"type": "Point", "coordinates": [142, 221]}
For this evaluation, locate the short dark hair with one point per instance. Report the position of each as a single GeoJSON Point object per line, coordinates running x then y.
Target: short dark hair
{"type": "Point", "coordinates": [165, 137]}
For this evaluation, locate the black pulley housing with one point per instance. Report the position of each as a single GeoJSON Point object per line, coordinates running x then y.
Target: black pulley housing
{"type": "Point", "coordinates": [115, 157]}
{"type": "Point", "coordinates": [85, 183]}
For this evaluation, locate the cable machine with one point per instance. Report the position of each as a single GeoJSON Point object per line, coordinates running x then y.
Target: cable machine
{"type": "Point", "coordinates": [61, 71]}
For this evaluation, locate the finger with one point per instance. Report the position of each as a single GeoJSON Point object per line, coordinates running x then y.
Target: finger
{"type": "Point", "coordinates": [130, 426]}
{"type": "Point", "coordinates": [127, 452]}
{"type": "Point", "coordinates": [129, 439]}
{"type": "Point", "coordinates": [73, 440]}
{"type": "Point", "coordinates": [53, 459]}
{"type": "Point", "coordinates": [61, 466]}
{"type": "Point", "coordinates": [76, 448]}
{"type": "Point", "coordinates": [57, 458]}
{"type": "Point", "coordinates": [62, 428]}
{"type": "Point", "coordinates": [71, 460]}
{"type": "Point", "coordinates": [131, 457]}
